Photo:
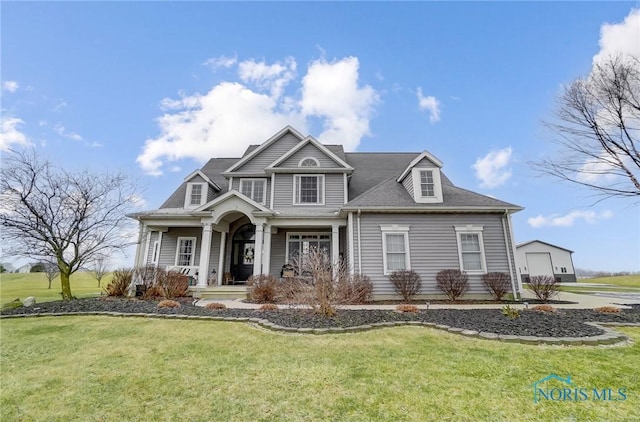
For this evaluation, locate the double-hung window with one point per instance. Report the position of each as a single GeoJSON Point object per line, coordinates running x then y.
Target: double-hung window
{"type": "Point", "coordinates": [255, 189]}
{"type": "Point", "coordinates": [471, 249]}
{"type": "Point", "coordinates": [427, 185]}
{"type": "Point", "coordinates": [185, 252]}
{"type": "Point", "coordinates": [395, 249]}
{"type": "Point", "coordinates": [308, 189]}
{"type": "Point", "coordinates": [299, 245]}
{"type": "Point", "coordinates": [196, 195]}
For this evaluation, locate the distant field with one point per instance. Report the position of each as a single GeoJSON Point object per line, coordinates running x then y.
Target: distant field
{"type": "Point", "coordinates": [21, 286]}
{"type": "Point", "coordinates": [622, 281]}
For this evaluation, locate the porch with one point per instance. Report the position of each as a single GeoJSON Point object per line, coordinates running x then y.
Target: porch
{"type": "Point", "coordinates": [219, 292]}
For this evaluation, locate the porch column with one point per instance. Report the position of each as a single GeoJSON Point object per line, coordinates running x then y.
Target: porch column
{"type": "Point", "coordinates": [257, 255]}
{"type": "Point", "coordinates": [142, 237]}
{"type": "Point", "coordinates": [223, 244]}
{"type": "Point", "coordinates": [205, 250]}
{"type": "Point", "coordinates": [335, 247]}
{"type": "Point", "coordinates": [266, 251]}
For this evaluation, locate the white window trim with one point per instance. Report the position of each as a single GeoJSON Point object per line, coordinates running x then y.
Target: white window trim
{"type": "Point", "coordinates": [295, 190]}
{"type": "Point", "coordinates": [264, 189]}
{"type": "Point", "coordinates": [203, 197]}
{"type": "Point", "coordinates": [469, 229]}
{"type": "Point", "coordinates": [437, 186]}
{"type": "Point", "coordinates": [308, 158]}
{"type": "Point", "coordinates": [193, 253]}
{"type": "Point", "coordinates": [304, 234]}
{"type": "Point", "coordinates": [155, 253]}
{"type": "Point", "coordinates": [395, 229]}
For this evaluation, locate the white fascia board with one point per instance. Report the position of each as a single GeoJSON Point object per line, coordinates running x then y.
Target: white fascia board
{"type": "Point", "coordinates": [204, 176]}
{"type": "Point", "coordinates": [264, 145]}
{"type": "Point", "coordinates": [313, 141]}
{"type": "Point", "coordinates": [237, 194]}
{"type": "Point", "coordinates": [424, 154]}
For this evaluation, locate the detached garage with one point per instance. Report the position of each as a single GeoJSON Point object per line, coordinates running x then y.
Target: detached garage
{"type": "Point", "coordinates": [541, 258]}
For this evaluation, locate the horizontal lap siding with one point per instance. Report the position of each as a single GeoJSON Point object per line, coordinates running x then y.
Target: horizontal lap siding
{"type": "Point", "coordinates": [432, 245]}
{"type": "Point", "coordinates": [333, 192]}
{"type": "Point", "coordinates": [270, 154]}
{"type": "Point", "coordinates": [278, 251]}
{"type": "Point", "coordinates": [309, 151]}
{"type": "Point", "coordinates": [170, 243]}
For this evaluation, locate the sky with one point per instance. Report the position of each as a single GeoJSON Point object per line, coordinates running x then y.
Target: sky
{"type": "Point", "coordinates": [158, 88]}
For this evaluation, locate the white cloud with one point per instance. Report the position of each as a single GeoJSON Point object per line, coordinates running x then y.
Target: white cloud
{"type": "Point", "coordinates": [492, 170]}
{"type": "Point", "coordinates": [60, 105]}
{"type": "Point", "coordinates": [11, 86]}
{"type": "Point", "coordinates": [10, 134]}
{"type": "Point", "coordinates": [620, 38]}
{"type": "Point", "coordinates": [431, 104]}
{"type": "Point", "coordinates": [568, 220]}
{"type": "Point", "coordinates": [332, 91]}
{"type": "Point", "coordinates": [60, 130]}
{"type": "Point", "coordinates": [222, 61]}
{"type": "Point", "coordinates": [273, 78]}
{"type": "Point", "coordinates": [138, 201]}
{"type": "Point", "coordinates": [233, 115]}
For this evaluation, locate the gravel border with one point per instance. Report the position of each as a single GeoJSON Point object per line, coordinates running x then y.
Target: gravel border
{"type": "Point", "coordinates": [563, 327]}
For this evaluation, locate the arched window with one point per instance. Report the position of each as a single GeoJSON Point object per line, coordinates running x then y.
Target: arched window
{"type": "Point", "coordinates": [309, 162]}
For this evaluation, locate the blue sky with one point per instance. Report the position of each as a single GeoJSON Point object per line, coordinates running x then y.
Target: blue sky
{"type": "Point", "coordinates": [158, 88]}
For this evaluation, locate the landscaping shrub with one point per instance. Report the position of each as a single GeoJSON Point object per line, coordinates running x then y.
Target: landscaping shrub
{"type": "Point", "coordinates": [406, 283]}
{"type": "Point", "coordinates": [453, 283]}
{"type": "Point", "coordinates": [262, 288]}
{"type": "Point", "coordinates": [543, 308]}
{"type": "Point", "coordinates": [497, 283]}
{"type": "Point", "coordinates": [215, 306]}
{"type": "Point", "coordinates": [405, 307]}
{"type": "Point", "coordinates": [354, 290]}
{"type": "Point", "coordinates": [152, 292]}
{"type": "Point", "coordinates": [119, 286]}
{"type": "Point", "coordinates": [510, 312]}
{"type": "Point", "coordinates": [544, 287]}
{"type": "Point", "coordinates": [16, 303]}
{"type": "Point", "coordinates": [172, 284]}
{"type": "Point", "coordinates": [268, 307]}
{"type": "Point", "coordinates": [168, 304]}
{"type": "Point", "coordinates": [608, 310]}
{"type": "Point", "coordinates": [146, 276]}
{"type": "Point", "coordinates": [289, 289]}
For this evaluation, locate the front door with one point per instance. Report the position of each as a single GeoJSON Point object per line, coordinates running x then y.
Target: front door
{"type": "Point", "coordinates": [244, 248]}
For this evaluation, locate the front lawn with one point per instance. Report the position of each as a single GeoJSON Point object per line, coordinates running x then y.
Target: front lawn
{"type": "Point", "coordinates": [21, 286]}
{"type": "Point", "coordinates": [102, 368]}
{"type": "Point", "coordinates": [622, 281]}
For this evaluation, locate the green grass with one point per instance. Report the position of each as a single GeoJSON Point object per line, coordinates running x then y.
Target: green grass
{"type": "Point", "coordinates": [101, 368]}
{"type": "Point", "coordinates": [622, 281]}
{"type": "Point", "coordinates": [21, 286]}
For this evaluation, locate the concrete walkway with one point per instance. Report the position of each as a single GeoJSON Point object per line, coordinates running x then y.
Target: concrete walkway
{"type": "Point", "coordinates": [583, 301]}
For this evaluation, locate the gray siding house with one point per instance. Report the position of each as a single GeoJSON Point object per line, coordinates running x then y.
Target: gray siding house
{"type": "Point", "coordinates": [374, 212]}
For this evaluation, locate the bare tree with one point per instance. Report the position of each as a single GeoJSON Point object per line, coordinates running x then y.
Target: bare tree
{"type": "Point", "coordinates": [100, 268]}
{"type": "Point", "coordinates": [73, 217]}
{"type": "Point", "coordinates": [597, 127]}
{"type": "Point", "coordinates": [51, 271]}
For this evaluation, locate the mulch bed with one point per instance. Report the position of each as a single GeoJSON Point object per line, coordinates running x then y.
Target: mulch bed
{"type": "Point", "coordinates": [562, 323]}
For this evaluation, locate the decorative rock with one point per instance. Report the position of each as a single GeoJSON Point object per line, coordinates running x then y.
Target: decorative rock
{"type": "Point", "coordinates": [469, 333]}
{"type": "Point", "coordinates": [440, 326]}
{"type": "Point", "coordinates": [455, 330]}
{"type": "Point", "coordinates": [30, 301]}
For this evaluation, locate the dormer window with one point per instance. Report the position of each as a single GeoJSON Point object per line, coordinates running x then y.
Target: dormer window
{"type": "Point", "coordinates": [426, 185]}
{"type": "Point", "coordinates": [309, 162]}
{"type": "Point", "coordinates": [196, 195]}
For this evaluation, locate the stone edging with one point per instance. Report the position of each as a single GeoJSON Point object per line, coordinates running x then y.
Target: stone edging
{"type": "Point", "coordinates": [609, 337]}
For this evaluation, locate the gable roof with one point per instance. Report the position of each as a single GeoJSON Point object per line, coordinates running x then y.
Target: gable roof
{"type": "Point", "coordinates": [310, 140]}
{"type": "Point", "coordinates": [204, 176]}
{"type": "Point", "coordinates": [231, 194]}
{"type": "Point", "coordinates": [248, 156]}
{"type": "Point", "coordinates": [412, 164]}
{"type": "Point", "coordinates": [519, 245]}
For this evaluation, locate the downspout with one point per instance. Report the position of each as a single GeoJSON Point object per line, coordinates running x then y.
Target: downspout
{"type": "Point", "coordinates": [513, 250]}
{"type": "Point", "coordinates": [359, 246]}
{"type": "Point", "coordinates": [509, 256]}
